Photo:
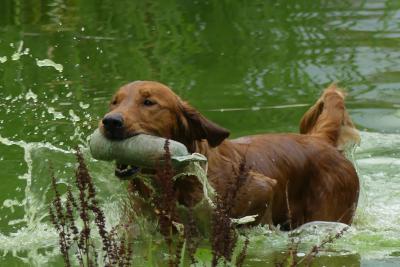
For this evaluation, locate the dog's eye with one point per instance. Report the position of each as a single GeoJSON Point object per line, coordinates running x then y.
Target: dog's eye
{"type": "Point", "coordinates": [148, 102]}
{"type": "Point", "coordinates": [114, 102]}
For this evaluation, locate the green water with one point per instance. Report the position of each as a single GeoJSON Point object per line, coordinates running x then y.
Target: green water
{"type": "Point", "coordinates": [243, 57]}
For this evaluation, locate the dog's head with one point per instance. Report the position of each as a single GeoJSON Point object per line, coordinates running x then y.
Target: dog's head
{"type": "Point", "coordinates": [146, 107]}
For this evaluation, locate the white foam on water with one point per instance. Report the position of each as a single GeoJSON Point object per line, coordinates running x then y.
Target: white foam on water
{"type": "Point", "coordinates": [28, 238]}
{"type": "Point", "coordinates": [34, 235]}
{"type": "Point", "coordinates": [3, 59]}
{"type": "Point", "coordinates": [35, 242]}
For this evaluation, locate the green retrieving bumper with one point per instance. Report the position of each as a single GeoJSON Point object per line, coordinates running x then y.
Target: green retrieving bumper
{"type": "Point", "coordinates": [148, 151]}
{"type": "Point", "coordinates": [140, 150]}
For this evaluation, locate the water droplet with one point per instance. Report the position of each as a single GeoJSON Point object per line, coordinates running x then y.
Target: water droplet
{"type": "Point", "coordinates": [31, 96]}
{"type": "Point", "coordinates": [83, 105]}
{"type": "Point", "coordinates": [49, 63]}
{"type": "Point", "coordinates": [57, 115]}
{"type": "Point", "coordinates": [73, 116]}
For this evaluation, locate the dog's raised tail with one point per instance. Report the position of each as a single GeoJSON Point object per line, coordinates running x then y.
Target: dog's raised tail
{"type": "Point", "coordinates": [328, 119]}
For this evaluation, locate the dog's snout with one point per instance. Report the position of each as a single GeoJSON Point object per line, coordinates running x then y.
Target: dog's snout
{"type": "Point", "coordinates": [113, 121]}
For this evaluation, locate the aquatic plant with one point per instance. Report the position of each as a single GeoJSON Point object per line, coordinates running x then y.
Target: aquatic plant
{"type": "Point", "coordinates": [83, 210]}
{"type": "Point", "coordinates": [191, 235]}
{"type": "Point", "coordinates": [243, 253]}
{"type": "Point", "coordinates": [165, 199]}
{"type": "Point", "coordinates": [164, 202]}
{"type": "Point", "coordinates": [224, 234]}
{"type": "Point", "coordinates": [81, 223]}
{"type": "Point", "coordinates": [182, 236]}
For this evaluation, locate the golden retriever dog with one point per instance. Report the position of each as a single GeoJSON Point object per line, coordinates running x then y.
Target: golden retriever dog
{"type": "Point", "coordinates": [293, 178]}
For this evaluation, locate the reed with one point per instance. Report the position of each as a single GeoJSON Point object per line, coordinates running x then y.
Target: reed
{"type": "Point", "coordinates": [224, 234]}
{"type": "Point", "coordinates": [75, 220]}
{"type": "Point", "coordinates": [80, 222]}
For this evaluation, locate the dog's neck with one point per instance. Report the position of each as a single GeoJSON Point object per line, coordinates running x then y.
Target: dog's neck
{"type": "Point", "coordinates": [223, 161]}
{"type": "Point", "coordinates": [225, 150]}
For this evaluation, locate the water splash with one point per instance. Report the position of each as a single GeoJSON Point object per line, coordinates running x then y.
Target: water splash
{"type": "Point", "coordinates": [33, 234]}
{"type": "Point", "coordinates": [31, 96]}
{"type": "Point", "coordinates": [375, 233]}
{"type": "Point", "coordinates": [73, 116]}
{"type": "Point", "coordinates": [17, 54]}
{"type": "Point", "coordinates": [56, 114]}
{"type": "Point", "coordinates": [83, 105]}
{"type": "Point", "coordinates": [49, 63]}
{"type": "Point", "coordinates": [33, 239]}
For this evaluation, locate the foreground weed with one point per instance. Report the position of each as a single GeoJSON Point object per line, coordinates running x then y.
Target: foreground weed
{"type": "Point", "coordinates": [77, 240]}
{"type": "Point", "coordinates": [85, 240]}
{"type": "Point", "coordinates": [224, 235]}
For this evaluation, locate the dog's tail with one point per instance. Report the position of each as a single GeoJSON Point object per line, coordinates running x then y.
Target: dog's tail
{"type": "Point", "coordinates": [329, 120]}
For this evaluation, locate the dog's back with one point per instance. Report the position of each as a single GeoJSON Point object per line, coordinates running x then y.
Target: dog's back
{"type": "Point", "coordinates": [314, 179]}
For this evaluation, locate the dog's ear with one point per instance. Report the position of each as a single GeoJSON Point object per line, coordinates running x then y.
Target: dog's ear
{"type": "Point", "coordinates": [194, 126]}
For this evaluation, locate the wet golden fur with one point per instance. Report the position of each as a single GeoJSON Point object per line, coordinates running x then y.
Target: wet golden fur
{"type": "Point", "coordinates": [294, 178]}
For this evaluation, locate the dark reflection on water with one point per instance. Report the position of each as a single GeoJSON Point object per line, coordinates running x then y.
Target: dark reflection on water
{"type": "Point", "coordinates": [216, 54]}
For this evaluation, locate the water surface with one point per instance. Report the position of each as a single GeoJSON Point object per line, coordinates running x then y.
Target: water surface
{"type": "Point", "coordinates": [60, 61]}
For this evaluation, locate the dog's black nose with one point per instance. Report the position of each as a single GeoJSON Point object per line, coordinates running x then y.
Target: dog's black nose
{"type": "Point", "coordinates": [113, 122]}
